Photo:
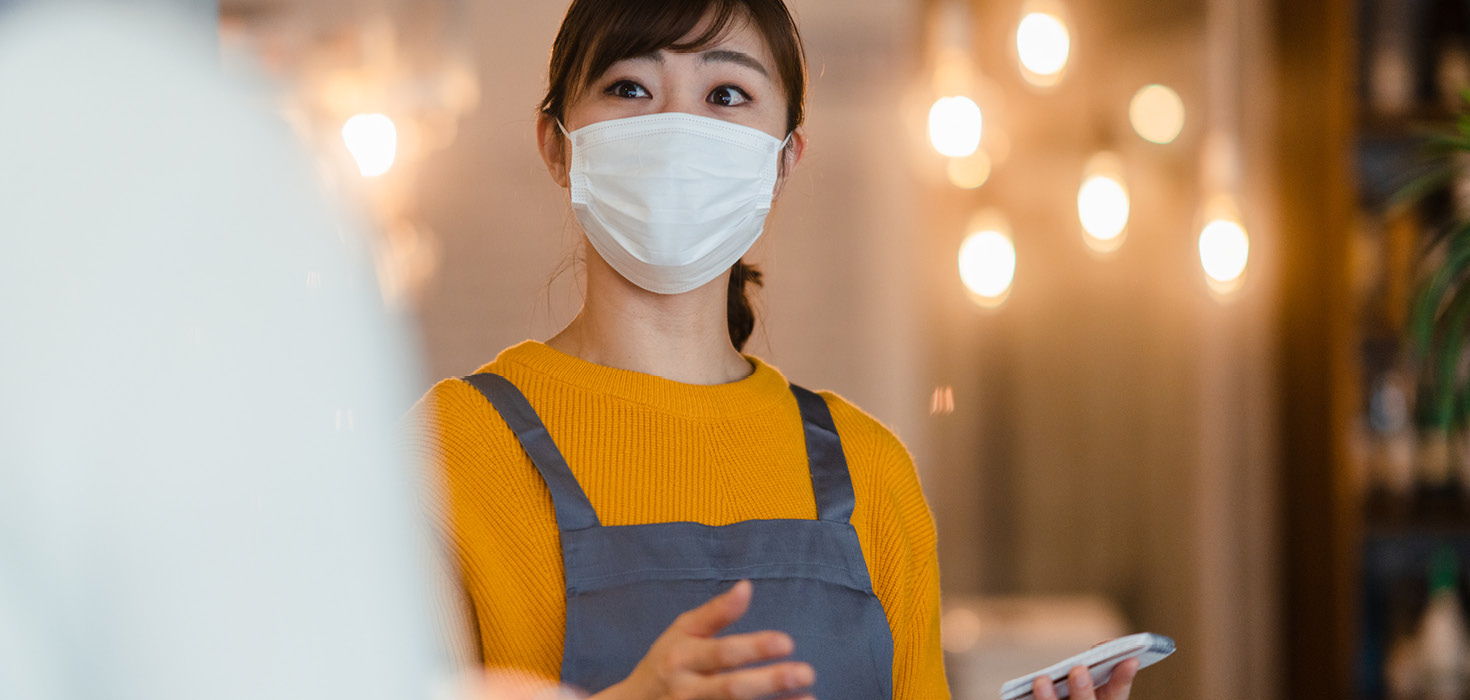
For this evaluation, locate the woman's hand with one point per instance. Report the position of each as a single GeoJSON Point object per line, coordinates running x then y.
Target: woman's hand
{"type": "Point", "coordinates": [687, 662]}
{"type": "Point", "coordinates": [1080, 683]}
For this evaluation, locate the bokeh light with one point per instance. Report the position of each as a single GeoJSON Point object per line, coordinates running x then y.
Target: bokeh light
{"type": "Point", "coordinates": [954, 126]}
{"type": "Point", "coordinates": [1157, 113]}
{"type": "Point", "coordinates": [1224, 251]}
{"type": "Point", "coordinates": [372, 139]}
{"type": "Point", "coordinates": [969, 172]}
{"type": "Point", "coordinates": [1102, 203]}
{"type": "Point", "coordinates": [1043, 44]}
{"type": "Point", "coordinates": [960, 629]}
{"type": "Point", "coordinates": [987, 262]}
{"type": "Point", "coordinates": [941, 402]}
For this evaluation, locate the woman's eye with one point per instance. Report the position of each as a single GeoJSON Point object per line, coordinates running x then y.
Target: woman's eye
{"type": "Point", "coordinates": [627, 89]}
{"type": "Point", "coordinates": [728, 96]}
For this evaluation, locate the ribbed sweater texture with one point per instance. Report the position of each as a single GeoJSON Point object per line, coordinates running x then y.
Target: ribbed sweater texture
{"type": "Point", "coordinates": [646, 449]}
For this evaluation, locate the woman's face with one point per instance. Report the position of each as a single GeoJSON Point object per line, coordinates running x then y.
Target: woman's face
{"type": "Point", "coordinates": [734, 79]}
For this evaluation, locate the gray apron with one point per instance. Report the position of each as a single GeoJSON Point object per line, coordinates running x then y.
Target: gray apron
{"type": "Point", "coordinates": [625, 584]}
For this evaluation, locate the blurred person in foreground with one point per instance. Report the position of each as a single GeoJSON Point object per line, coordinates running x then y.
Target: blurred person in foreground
{"type": "Point", "coordinates": [201, 492]}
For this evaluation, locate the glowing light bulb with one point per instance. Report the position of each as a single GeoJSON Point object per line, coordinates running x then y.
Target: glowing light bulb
{"type": "Point", "coordinates": [1157, 113]}
{"type": "Point", "coordinates": [1102, 203]}
{"type": "Point", "coordinates": [1043, 43]}
{"type": "Point", "coordinates": [954, 126]}
{"type": "Point", "coordinates": [1224, 251]}
{"type": "Point", "coordinates": [987, 263]}
{"type": "Point", "coordinates": [372, 139]}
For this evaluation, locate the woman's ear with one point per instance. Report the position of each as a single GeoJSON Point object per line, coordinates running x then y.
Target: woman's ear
{"type": "Point", "coordinates": [553, 147]}
{"type": "Point", "coordinates": [790, 156]}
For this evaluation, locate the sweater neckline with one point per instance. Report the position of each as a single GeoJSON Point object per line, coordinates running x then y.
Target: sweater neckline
{"type": "Point", "coordinates": [761, 390]}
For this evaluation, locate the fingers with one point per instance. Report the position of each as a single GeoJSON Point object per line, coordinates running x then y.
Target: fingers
{"type": "Point", "coordinates": [752, 683]}
{"type": "Point", "coordinates": [706, 655]}
{"type": "Point", "coordinates": [1079, 681]}
{"type": "Point", "coordinates": [689, 661]}
{"type": "Point", "coordinates": [1042, 689]}
{"type": "Point", "coordinates": [1121, 682]}
{"type": "Point", "coordinates": [717, 613]}
{"type": "Point", "coordinates": [1079, 686]}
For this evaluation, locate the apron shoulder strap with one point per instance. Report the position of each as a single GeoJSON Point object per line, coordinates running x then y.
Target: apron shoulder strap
{"type": "Point", "coordinates": [831, 483]}
{"type": "Point", "coordinates": [573, 510]}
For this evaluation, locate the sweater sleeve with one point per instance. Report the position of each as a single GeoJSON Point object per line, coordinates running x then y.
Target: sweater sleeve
{"type": "Point", "coordinates": [454, 616]}
{"type": "Point", "coordinates": [896, 528]}
{"type": "Point", "coordinates": [918, 657]}
{"type": "Point", "coordinates": [495, 518]}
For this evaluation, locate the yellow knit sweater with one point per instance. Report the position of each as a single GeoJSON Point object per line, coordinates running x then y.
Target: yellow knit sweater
{"type": "Point", "coordinates": [648, 450]}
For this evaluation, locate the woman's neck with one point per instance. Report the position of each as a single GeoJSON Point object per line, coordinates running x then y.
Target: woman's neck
{"type": "Point", "coordinates": [683, 337]}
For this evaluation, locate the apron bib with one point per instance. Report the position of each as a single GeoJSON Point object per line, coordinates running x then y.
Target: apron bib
{"type": "Point", "coordinates": [625, 584]}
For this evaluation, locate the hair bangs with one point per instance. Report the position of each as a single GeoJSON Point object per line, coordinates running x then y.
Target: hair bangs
{"type": "Point", "coordinates": [642, 28]}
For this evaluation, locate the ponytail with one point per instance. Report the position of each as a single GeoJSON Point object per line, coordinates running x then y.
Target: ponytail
{"type": "Point", "coordinates": [739, 313]}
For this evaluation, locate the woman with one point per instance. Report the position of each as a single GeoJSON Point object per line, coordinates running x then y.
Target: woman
{"type": "Point", "coordinates": [605, 486]}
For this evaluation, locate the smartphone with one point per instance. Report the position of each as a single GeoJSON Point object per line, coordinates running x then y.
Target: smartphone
{"type": "Point", "coordinates": [1148, 648]}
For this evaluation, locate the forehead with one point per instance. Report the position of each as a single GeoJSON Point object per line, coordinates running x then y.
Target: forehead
{"type": "Point", "coordinates": [739, 35]}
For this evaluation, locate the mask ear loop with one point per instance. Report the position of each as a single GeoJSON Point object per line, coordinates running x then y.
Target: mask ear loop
{"type": "Point", "coordinates": [568, 136]}
{"type": "Point", "coordinates": [781, 149]}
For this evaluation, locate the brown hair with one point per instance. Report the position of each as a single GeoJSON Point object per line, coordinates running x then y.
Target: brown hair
{"type": "Point", "coordinates": [598, 33]}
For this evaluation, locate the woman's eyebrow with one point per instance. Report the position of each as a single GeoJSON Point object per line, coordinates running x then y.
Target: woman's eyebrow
{"type": "Point", "coordinates": [735, 57]}
{"type": "Point", "coordinates": [713, 56]}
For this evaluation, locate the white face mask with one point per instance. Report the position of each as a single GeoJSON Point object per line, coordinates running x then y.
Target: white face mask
{"type": "Point", "coordinates": [671, 200]}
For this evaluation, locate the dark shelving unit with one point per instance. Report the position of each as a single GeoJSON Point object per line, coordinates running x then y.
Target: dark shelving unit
{"type": "Point", "coordinates": [1413, 56]}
